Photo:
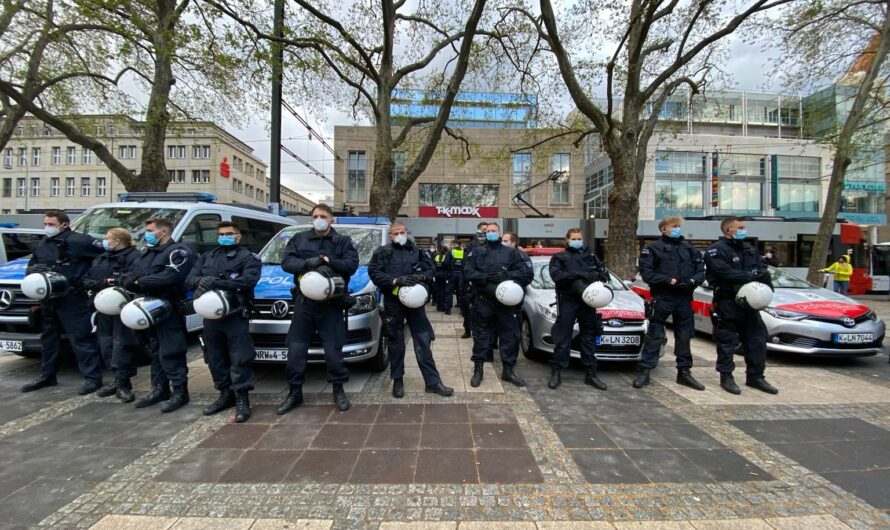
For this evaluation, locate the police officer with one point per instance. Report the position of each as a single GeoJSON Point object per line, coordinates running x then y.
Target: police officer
{"type": "Point", "coordinates": [487, 266]}
{"type": "Point", "coordinates": [116, 341]}
{"type": "Point", "coordinates": [673, 269]}
{"type": "Point", "coordinates": [512, 240]}
{"type": "Point", "coordinates": [323, 250]}
{"type": "Point", "coordinates": [572, 270]}
{"type": "Point", "coordinates": [441, 278]}
{"type": "Point", "coordinates": [70, 254]}
{"type": "Point", "coordinates": [730, 264]}
{"type": "Point", "coordinates": [468, 294]}
{"type": "Point", "coordinates": [230, 352]}
{"type": "Point", "coordinates": [454, 265]}
{"type": "Point", "coordinates": [396, 265]}
{"type": "Point", "coordinates": [160, 272]}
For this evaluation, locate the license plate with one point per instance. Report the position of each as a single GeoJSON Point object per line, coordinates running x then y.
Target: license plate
{"type": "Point", "coordinates": [271, 355]}
{"type": "Point", "coordinates": [618, 340]}
{"type": "Point", "coordinates": [11, 345]}
{"type": "Point", "coordinates": [853, 338]}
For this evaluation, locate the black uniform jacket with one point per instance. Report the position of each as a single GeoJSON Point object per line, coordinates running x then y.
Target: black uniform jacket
{"type": "Point", "coordinates": [495, 257]}
{"type": "Point", "coordinates": [731, 264]}
{"type": "Point", "coordinates": [392, 261]}
{"type": "Point", "coordinates": [569, 266]}
{"type": "Point", "coordinates": [161, 271]}
{"type": "Point", "coordinates": [671, 258]}
{"type": "Point", "coordinates": [69, 253]}
{"type": "Point", "coordinates": [338, 248]}
{"type": "Point", "coordinates": [109, 266]}
{"type": "Point", "coordinates": [234, 268]}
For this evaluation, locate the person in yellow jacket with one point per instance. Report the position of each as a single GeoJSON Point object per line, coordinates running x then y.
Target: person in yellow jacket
{"type": "Point", "coordinates": [842, 271]}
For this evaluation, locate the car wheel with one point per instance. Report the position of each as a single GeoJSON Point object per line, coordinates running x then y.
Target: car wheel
{"type": "Point", "coordinates": [379, 362]}
{"type": "Point", "coordinates": [526, 344]}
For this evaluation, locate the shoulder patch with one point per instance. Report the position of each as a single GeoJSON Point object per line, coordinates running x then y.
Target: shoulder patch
{"type": "Point", "coordinates": [645, 250]}
{"type": "Point", "coordinates": [712, 252]}
{"type": "Point", "coordinates": [98, 244]}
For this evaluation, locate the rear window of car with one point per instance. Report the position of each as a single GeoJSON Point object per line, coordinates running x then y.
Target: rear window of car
{"type": "Point", "coordinates": [19, 245]}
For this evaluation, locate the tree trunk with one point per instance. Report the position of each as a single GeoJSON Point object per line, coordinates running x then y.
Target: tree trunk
{"type": "Point", "coordinates": [10, 121]}
{"type": "Point", "coordinates": [822, 245]}
{"type": "Point", "coordinates": [624, 213]}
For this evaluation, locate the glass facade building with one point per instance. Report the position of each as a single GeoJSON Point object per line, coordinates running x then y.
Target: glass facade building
{"type": "Point", "coordinates": [500, 110]}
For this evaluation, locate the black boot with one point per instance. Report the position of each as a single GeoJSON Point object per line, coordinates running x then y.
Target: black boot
{"type": "Point", "coordinates": [555, 378]}
{"type": "Point", "coordinates": [158, 393]}
{"type": "Point", "coordinates": [293, 400]}
{"type": "Point", "coordinates": [466, 334]}
{"type": "Point", "coordinates": [510, 376]}
{"type": "Point", "coordinates": [107, 390]}
{"type": "Point", "coordinates": [684, 377]}
{"type": "Point", "coordinates": [476, 380]}
{"type": "Point", "coordinates": [178, 400]}
{"type": "Point", "coordinates": [760, 384]}
{"type": "Point", "coordinates": [41, 382]}
{"type": "Point", "coordinates": [642, 379]}
{"type": "Point", "coordinates": [340, 398]}
{"type": "Point", "coordinates": [440, 389]}
{"type": "Point", "coordinates": [242, 407]}
{"type": "Point", "coordinates": [225, 401]}
{"type": "Point", "coordinates": [591, 379]}
{"type": "Point", "coordinates": [125, 391]}
{"type": "Point", "coordinates": [89, 386]}
{"type": "Point", "coordinates": [727, 382]}
{"type": "Point", "coordinates": [398, 388]}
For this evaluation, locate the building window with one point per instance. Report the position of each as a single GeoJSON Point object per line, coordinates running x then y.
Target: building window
{"type": "Point", "coordinates": [236, 185]}
{"type": "Point", "coordinates": [84, 186]}
{"type": "Point", "coordinates": [35, 156]}
{"type": "Point", "coordinates": [177, 176]}
{"type": "Point", "coordinates": [69, 187]}
{"type": "Point", "coordinates": [355, 178]}
{"type": "Point", "coordinates": [47, 131]}
{"type": "Point", "coordinates": [72, 156]}
{"type": "Point", "coordinates": [522, 174]}
{"type": "Point", "coordinates": [21, 188]}
{"type": "Point", "coordinates": [87, 156]}
{"type": "Point", "coordinates": [798, 183]}
{"type": "Point", "coordinates": [559, 189]}
{"type": "Point", "coordinates": [741, 180]}
{"type": "Point", "coordinates": [679, 194]}
{"type": "Point", "coordinates": [112, 129]}
{"type": "Point", "coordinates": [200, 176]}
{"type": "Point", "coordinates": [398, 170]}
{"type": "Point", "coordinates": [201, 152]}
{"type": "Point", "coordinates": [56, 156]}
{"type": "Point", "coordinates": [100, 186]}
{"type": "Point", "coordinates": [740, 197]}
{"type": "Point", "coordinates": [35, 187]}
{"type": "Point", "coordinates": [176, 151]}
{"type": "Point", "coordinates": [860, 201]}
{"type": "Point", "coordinates": [7, 158]}
{"type": "Point", "coordinates": [23, 156]}
{"type": "Point", "coordinates": [7, 187]}
{"type": "Point", "coordinates": [677, 163]}
{"type": "Point", "coordinates": [54, 187]}
{"type": "Point", "coordinates": [458, 194]}
{"type": "Point", "coordinates": [127, 152]}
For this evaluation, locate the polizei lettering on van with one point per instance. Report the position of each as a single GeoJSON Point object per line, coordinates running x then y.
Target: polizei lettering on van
{"type": "Point", "coordinates": [448, 211]}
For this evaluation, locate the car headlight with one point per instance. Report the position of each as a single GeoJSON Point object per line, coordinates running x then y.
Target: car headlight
{"type": "Point", "coordinates": [364, 303]}
{"type": "Point", "coordinates": [871, 315]}
{"type": "Point", "coordinates": [786, 315]}
{"type": "Point", "coordinates": [547, 312]}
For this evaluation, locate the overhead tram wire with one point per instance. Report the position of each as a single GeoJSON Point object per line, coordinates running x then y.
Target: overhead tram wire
{"type": "Point", "coordinates": [312, 132]}
{"type": "Point", "coordinates": [311, 169]}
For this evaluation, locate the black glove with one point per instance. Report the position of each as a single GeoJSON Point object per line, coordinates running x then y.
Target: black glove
{"type": "Point", "coordinates": [128, 282]}
{"type": "Point", "coordinates": [40, 268]}
{"type": "Point", "coordinates": [205, 283]}
{"type": "Point", "coordinates": [404, 281]}
{"type": "Point", "coordinates": [314, 263]}
{"type": "Point", "coordinates": [90, 284]}
{"type": "Point", "coordinates": [497, 277]}
{"type": "Point", "coordinates": [417, 278]}
{"type": "Point", "coordinates": [589, 277]}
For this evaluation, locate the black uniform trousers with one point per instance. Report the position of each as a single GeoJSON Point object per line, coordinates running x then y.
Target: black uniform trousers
{"type": "Point", "coordinates": [452, 288]}
{"type": "Point", "coordinates": [440, 288]}
{"type": "Point", "coordinates": [467, 300]}
{"type": "Point", "coordinates": [570, 309]}
{"type": "Point", "coordinates": [167, 343]}
{"type": "Point", "coordinates": [330, 324]}
{"type": "Point", "coordinates": [70, 313]}
{"type": "Point", "coordinates": [421, 333]}
{"type": "Point", "coordinates": [737, 325]}
{"type": "Point", "coordinates": [116, 342]}
{"type": "Point", "coordinates": [491, 318]}
{"type": "Point", "coordinates": [662, 308]}
{"type": "Point", "coordinates": [229, 352]}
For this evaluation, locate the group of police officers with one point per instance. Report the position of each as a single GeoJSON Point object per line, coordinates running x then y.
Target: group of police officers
{"type": "Point", "coordinates": [167, 270]}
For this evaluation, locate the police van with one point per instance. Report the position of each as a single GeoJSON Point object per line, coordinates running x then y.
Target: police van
{"type": "Point", "coordinates": [273, 300]}
{"type": "Point", "coordinates": [195, 217]}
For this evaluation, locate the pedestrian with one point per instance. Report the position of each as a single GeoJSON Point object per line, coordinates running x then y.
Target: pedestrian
{"type": "Point", "coordinates": [731, 263]}
{"type": "Point", "coordinates": [673, 269]}
{"type": "Point", "coordinates": [572, 270]}
{"type": "Point", "coordinates": [320, 249]}
{"type": "Point", "coordinates": [71, 254]}
{"type": "Point", "coordinates": [454, 264]}
{"type": "Point", "coordinates": [230, 351]}
{"type": "Point", "coordinates": [116, 341]}
{"type": "Point", "coordinates": [160, 272]}
{"type": "Point", "coordinates": [440, 287]}
{"type": "Point", "coordinates": [842, 270]}
{"type": "Point", "coordinates": [771, 258]}
{"type": "Point", "coordinates": [487, 266]}
{"type": "Point", "coordinates": [398, 265]}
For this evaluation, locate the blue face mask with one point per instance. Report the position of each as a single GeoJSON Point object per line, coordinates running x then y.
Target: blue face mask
{"type": "Point", "coordinates": [576, 244]}
{"type": "Point", "coordinates": [741, 234]}
{"type": "Point", "coordinates": [492, 236]}
{"type": "Point", "coordinates": [225, 241]}
{"type": "Point", "coordinates": [151, 239]}
{"type": "Point", "coordinates": [106, 245]}
{"type": "Point", "coordinates": [675, 232]}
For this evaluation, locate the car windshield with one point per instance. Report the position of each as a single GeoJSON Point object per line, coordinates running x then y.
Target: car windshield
{"type": "Point", "coordinates": [98, 221]}
{"type": "Point", "coordinates": [366, 241]}
{"type": "Point", "coordinates": [542, 278]}
{"type": "Point", "coordinates": [785, 280]}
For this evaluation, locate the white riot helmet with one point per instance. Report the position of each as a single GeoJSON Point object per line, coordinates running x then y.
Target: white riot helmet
{"type": "Point", "coordinates": [110, 301]}
{"type": "Point", "coordinates": [757, 295]}
{"type": "Point", "coordinates": [44, 285]}
{"type": "Point", "coordinates": [143, 313]}
{"type": "Point", "coordinates": [216, 304]}
{"type": "Point", "coordinates": [509, 293]}
{"type": "Point", "coordinates": [597, 295]}
{"type": "Point", "coordinates": [318, 287]}
{"type": "Point", "coordinates": [413, 296]}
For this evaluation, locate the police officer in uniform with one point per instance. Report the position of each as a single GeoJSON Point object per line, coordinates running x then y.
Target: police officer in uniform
{"type": "Point", "coordinates": [397, 265]}
{"type": "Point", "coordinates": [230, 352]}
{"type": "Point", "coordinates": [487, 266]}
{"type": "Point", "coordinates": [572, 270]}
{"type": "Point", "coordinates": [673, 269]}
{"type": "Point", "coordinates": [116, 341]}
{"type": "Point", "coordinates": [512, 240]}
{"type": "Point", "coordinates": [160, 272]}
{"type": "Point", "coordinates": [730, 264]}
{"type": "Point", "coordinates": [70, 254]}
{"type": "Point", "coordinates": [323, 250]}
{"type": "Point", "coordinates": [468, 294]}
{"type": "Point", "coordinates": [454, 265]}
{"type": "Point", "coordinates": [440, 286]}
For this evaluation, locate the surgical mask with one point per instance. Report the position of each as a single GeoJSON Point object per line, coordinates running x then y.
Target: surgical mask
{"type": "Point", "coordinates": [320, 224]}
{"type": "Point", "coordinates": [576, 244]}
{"type": "Point", "coordinates": [106, 245]}
{"type": "Point", "coordinates": [740, 234]}
{"type": "Point", "coordinates": [675, 232]}
{"type": "Point", "coordinates": [400, 239]}
{"type": "Point", "coordinates": [225, 241]}
{"type": "Point", "coordinates": [51, 230]}
{"type": "Point", "coordinates": [492, 236]}
{"type": "Point", "coordinates": [151, 239]}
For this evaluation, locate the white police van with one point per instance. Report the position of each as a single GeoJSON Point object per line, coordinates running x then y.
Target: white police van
{"type": "Point", "coordinates": [273, 306]}
{"type": "Point", "coordinates": [195, 217]}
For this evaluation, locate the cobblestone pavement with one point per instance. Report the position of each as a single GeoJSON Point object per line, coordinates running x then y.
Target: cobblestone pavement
{"type": "Point", "coordinates": [814, 456]}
